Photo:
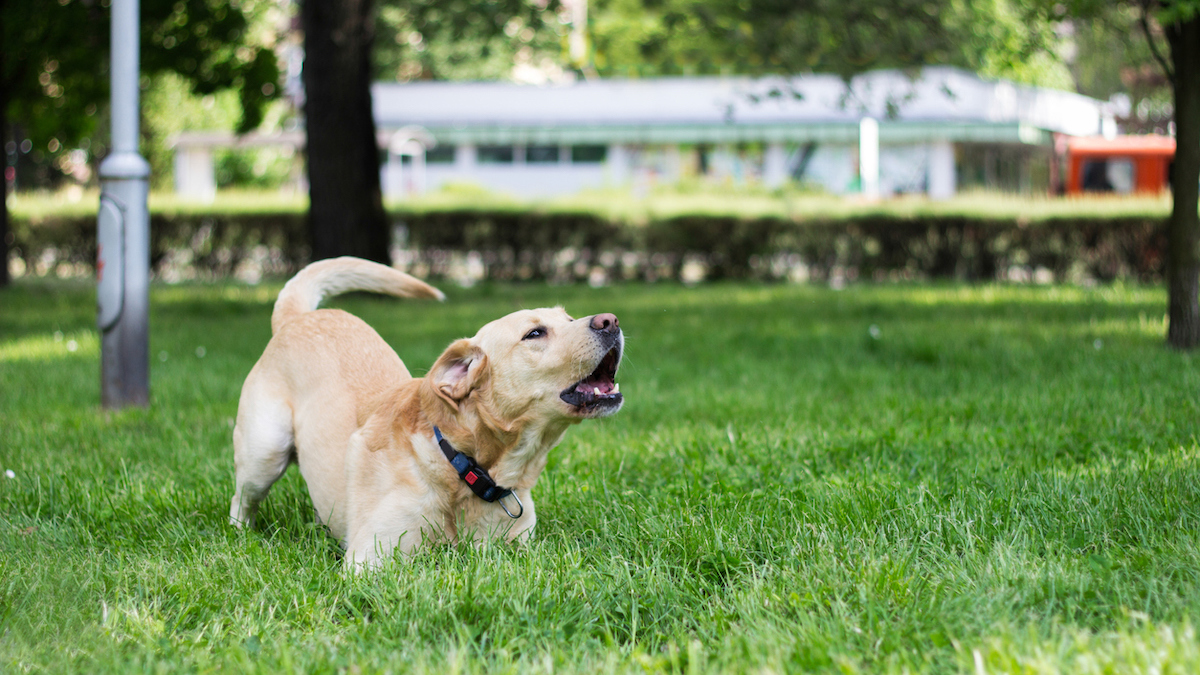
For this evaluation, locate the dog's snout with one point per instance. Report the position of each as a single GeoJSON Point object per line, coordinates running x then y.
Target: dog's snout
{"type": "Point", "coordinates": [606, 323]}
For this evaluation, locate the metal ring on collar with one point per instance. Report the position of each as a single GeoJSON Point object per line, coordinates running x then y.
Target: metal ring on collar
{"type": "Point", "coordinates": [520, 512]}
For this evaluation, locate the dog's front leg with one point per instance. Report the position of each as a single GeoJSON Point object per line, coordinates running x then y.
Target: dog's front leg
{"type": "Point", "coordinates": [385, 530]}
{"type": "Point", "coordinates": [522, 528]}
{"type": "Point", "coordinates": [484, 522]}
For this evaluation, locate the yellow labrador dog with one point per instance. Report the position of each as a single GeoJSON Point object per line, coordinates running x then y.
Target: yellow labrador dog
{"type": "Point", "coordinates": [389, 459]}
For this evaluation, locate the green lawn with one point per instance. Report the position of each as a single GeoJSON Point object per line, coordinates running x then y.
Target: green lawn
{"type": "Point", "coordinates": [1003, 478]}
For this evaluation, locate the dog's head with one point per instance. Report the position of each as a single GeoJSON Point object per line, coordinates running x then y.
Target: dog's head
{"type": "Point", "coordinates": [536, 364]}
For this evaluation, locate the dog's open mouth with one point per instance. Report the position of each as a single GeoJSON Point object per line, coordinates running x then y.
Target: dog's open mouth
{"type": "Point", "coordinates": [599, 392]}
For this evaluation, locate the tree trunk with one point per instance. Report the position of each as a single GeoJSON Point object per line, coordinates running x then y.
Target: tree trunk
{"type": "Point", "coordinates": [1183, 229]}
{"type": "Point", "coordinates": [4, 235]}
{"type": "Point", "coordinates": [3, 153]}
{"type": "Point", "coordinates": [346, 215]}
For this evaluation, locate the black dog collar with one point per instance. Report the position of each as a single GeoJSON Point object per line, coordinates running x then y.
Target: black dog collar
{"type": "Point", "coordinates": [476, 477]}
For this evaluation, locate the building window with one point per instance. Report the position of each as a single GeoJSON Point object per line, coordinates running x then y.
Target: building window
{"type": "Point", "coordinates": [494, 154]}
{"type": "Point", "coordinates": [588, 154]}
{"type": "Point", "coordinates": [541, 154]}
{"type": "Point", "coordinates": [1108, 175]}
{"type": "Point", "coordinates": [440, 154]}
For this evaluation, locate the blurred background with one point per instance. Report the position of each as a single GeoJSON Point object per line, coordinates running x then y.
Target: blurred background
{"type": "Point", "coordinates": [411, 131]}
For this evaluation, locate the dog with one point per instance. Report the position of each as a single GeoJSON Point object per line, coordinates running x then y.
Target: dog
{"type": "Point", "coordinates": [390, 460]}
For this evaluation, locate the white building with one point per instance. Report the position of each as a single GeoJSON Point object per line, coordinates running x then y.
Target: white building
{"type": "Point", "coordinates": [885, 132]}
{"type": "Point", "coordinates": [934, 130]}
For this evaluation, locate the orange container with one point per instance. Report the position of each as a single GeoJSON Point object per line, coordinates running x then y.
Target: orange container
{"type": "Point", "coordinates": [1121, 165]}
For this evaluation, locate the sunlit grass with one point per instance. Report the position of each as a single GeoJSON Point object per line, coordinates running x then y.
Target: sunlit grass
{"type": "Point", "coordinates": [37, 205]}
{"type": "Point", "coordinates": [880, 479]}
{"type": "Point", "coordinates": [668, 203]}
{"type": "Point", "coordinates": [662, 203]}
{"type": "Point", "coordinates": [47, 347]}
{"type": "Point", "coordinates": [1139, 646]}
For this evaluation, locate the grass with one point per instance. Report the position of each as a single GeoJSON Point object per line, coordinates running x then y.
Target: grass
{"type": "Point", "coordinates": [884, 479]}
{"type": "Point", "coordinates": [662, 203]}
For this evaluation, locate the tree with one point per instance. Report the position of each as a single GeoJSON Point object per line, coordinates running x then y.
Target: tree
{"type": "Point", "coordinates": [1111, 56]}
{"type": "Point", "coordinates": [1180, 21]}
{"type": "Point", "coordinates": [54, 80]}
{"type": "Point", "coordinates": [1177, 22]}
{"type": "Point", "coordinates": [346, 215]}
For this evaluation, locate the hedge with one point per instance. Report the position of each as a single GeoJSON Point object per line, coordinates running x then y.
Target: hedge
{"type": "Point", "coordinates": [564, 245]}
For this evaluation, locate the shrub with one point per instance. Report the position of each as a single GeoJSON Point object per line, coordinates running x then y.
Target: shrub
{"type": "Point", "coordinates": [515, 241]}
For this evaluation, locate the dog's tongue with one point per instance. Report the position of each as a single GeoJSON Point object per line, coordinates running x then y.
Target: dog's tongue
{"type": "Point", "coordinates": [603, 388]}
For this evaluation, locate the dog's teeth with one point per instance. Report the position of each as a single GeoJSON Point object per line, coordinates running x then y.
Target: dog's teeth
{"type": "Point", "coordinates": [616, 388]}
{"type": "Point", "coordinates": [597, 390]}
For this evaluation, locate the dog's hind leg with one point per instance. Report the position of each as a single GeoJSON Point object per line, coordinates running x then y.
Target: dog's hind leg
{"type": "Point", "coordinates": [262, 449]}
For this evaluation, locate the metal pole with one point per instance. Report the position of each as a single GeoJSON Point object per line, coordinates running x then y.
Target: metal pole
{"type": "Point", "coordinates": [123, 265]}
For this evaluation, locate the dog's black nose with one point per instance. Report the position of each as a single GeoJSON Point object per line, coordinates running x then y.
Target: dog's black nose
{"type": "Point", "coordinates": [606, 323]}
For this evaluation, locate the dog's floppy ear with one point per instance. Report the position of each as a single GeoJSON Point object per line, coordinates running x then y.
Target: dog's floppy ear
{"type": "Point", "coordinates": [458, 371]}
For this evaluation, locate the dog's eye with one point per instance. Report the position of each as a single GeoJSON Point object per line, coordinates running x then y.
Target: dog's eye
{"type": "Point", "coordinates": [535, 334]}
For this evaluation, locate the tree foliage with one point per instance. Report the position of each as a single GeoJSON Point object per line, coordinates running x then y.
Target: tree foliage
{"type": "Point", "coordinates": [55, 69]}
{"type": "Point", "coordinates": [54, 81]}
{"type": "Point", "coordinates": [647, 38]}
{"type": "Point", "coordinates": [462, 39]}
{"type": "Point", "coordinates": [1111, 56]}
{"type": "Point", "coordinates": [846, 37]}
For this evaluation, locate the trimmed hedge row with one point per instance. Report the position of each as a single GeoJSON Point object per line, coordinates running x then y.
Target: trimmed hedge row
{"type": "Point", "coordinates": [563, 246]}
{"type": "Point", "coordinates": [209, 246]}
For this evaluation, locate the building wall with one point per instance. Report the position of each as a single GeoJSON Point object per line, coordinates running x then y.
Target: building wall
{"type": "Point", "coordinates": [938, 169]}
{"type": "Point", "coordinates": [903, 168]}
{"type": "Point", "coordinates": [830, 167]}
{"type": "Point", "coordinates": [1004, 168]}
{"type": "Point", "coordinates": [517, 172]}
{"type": "Point", "coordinates": [522, 180]}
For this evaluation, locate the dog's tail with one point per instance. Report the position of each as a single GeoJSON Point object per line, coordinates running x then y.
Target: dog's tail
{"type": "Point", "coordinates": [325, 278]}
